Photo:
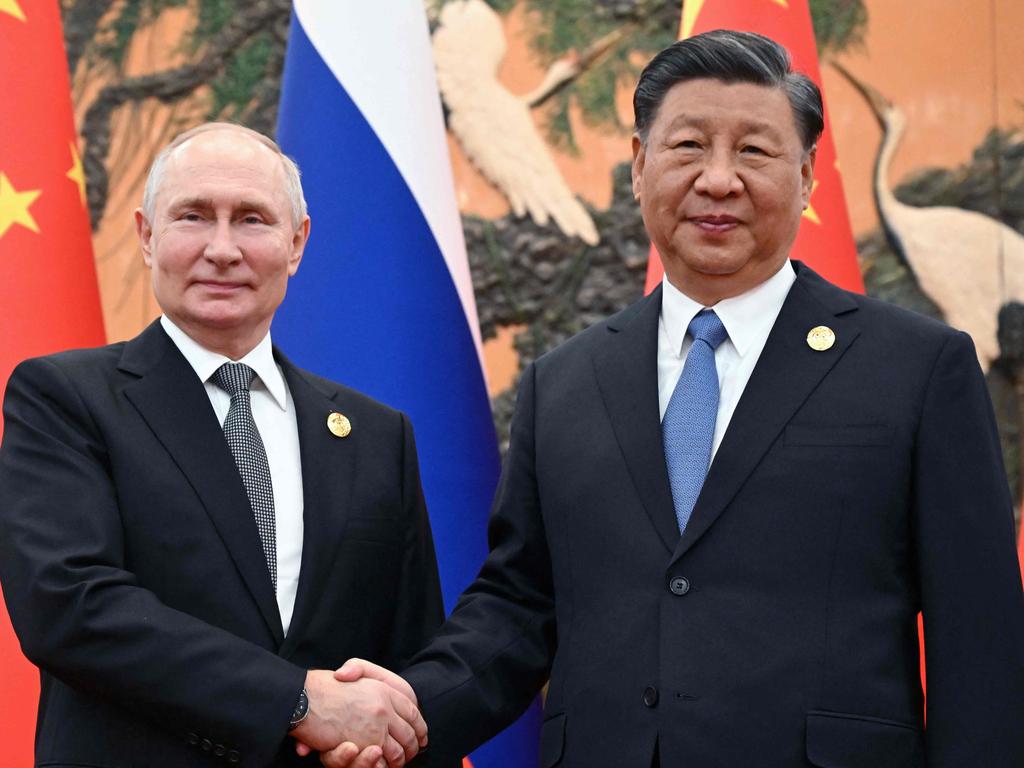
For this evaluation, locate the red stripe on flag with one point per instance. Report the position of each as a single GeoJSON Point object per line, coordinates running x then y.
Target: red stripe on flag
{"type": "Point", "coordinates": [49, 299]}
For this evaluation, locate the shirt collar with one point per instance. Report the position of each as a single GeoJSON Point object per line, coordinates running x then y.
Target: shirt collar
{"type": "Point", "coordinates": [746, 317]}
{"type": "Point", "coordinates": [205, 363]}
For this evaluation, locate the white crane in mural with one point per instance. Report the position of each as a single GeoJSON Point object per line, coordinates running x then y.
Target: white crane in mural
{"type": "Point", "coordinates": [968, 263]}
{"type": "Point", "coordinates": [493, 125]}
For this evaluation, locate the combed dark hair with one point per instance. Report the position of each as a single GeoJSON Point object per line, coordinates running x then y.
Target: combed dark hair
{"type": "Point", "coordinates": [732, 57]}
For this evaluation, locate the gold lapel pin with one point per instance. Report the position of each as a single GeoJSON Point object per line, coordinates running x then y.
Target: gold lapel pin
{"type": "Point", "coordinates": [821, 338]}
{"type": "Point", "coordinates": [339, 425]}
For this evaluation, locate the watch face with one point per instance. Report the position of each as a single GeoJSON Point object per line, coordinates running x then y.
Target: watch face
{"type": "Point", "coordinates": [301, 709]}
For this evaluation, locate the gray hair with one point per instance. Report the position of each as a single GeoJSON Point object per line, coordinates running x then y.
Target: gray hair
{"type": "Point", "coordinates": [732, 57]}
{"type": "Point", "coordinates": [293, 178]}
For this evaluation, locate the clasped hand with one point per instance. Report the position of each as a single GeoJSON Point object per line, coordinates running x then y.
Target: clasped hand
{"type": "Point", "coordinates": [360, 716]}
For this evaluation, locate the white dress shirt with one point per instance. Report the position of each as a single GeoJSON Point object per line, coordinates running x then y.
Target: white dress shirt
{"type": "Point", "coordinates": [748, 319]}
{"type": "Point", "coordinates": [274, 413]}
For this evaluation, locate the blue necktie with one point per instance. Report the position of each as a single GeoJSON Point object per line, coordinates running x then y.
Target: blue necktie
{"type": "Point", "coordinates": [689, 424]}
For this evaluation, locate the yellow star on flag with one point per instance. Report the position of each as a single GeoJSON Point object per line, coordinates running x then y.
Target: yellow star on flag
{"type": "Point", "coordinates": [14, 206]}
{"type": "Point", "coordinates": [76, 172]}
{"type": "Point", "coordinates": [809, 212]}
{"type": "Point", "coordinates": [691, 10]}
{"type": "Point", "coordinates": [12, 8]}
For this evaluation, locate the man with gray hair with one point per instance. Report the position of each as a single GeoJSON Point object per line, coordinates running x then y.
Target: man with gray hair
{"type": "Point", "coordinates": [194, 530]}
{"type": "Point", "coordinates": [723, 509]}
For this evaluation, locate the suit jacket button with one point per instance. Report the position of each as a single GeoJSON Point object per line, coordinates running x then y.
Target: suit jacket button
{"type": "Point", "coordinates": [193, 739]}
{"type": "Point", "coordinates": [679, 585]}
{"type": "Point", "coordinates": [650, 696]}
{"type": "Point", "coordinates": [233, 756]}
{"type": "Point", "coordinates": [219, 750]}
{"type": "Point", "coordinates": [206, 745]}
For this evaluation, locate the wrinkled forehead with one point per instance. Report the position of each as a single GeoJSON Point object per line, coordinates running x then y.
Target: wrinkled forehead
{"type": "Point", "coordinates": [226, 148]}
{"type": "Point", "coordinates": [745, 107]}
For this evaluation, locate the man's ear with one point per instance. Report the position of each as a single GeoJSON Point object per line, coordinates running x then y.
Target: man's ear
{"type": "Point", "coordinates": [807, 175]}
{"type": "Point", "coordinates": [639, 156]}
{"type": "Point", "coordinates": [299, 240]}
{"type": "Point", "coordinates": [144, 230]}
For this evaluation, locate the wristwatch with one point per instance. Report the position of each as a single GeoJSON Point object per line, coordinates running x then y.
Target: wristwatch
{"type": "Point", "coordinates": [300, 711]}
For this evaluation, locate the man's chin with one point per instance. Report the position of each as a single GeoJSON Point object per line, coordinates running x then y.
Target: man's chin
{"type": "Point", "coordinates": [713, 265]}
{"type": "Point", "coordinates": [217, 318]}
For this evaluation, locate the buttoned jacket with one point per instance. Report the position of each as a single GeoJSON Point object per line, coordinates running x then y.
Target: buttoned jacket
{"type": "Point", "coordinates": [856, 486]}
{"type": "Point", "coordinates": [134, 574]}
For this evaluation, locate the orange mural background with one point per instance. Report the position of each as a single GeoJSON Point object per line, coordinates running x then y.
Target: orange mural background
{"type": "Point", "coordinates": [952, 96]}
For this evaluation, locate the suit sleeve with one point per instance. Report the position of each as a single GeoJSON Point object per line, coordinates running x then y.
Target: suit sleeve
{"type": "Point", "coordinates": [968, 573]}
{"type": "Point", "coordinates": [77, 607]}
{"type": "Point", "coordinates": [494, 653]}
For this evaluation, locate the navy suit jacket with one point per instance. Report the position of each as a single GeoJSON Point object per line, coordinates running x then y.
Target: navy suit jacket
{"type": "Point", "coordinates": [854, 488]}
{"type": "Point", "coordinates": [134, 575]}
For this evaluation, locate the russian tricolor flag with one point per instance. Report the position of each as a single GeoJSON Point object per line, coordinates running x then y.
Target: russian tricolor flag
{"type": "Point", "coordinates": [384, 300]}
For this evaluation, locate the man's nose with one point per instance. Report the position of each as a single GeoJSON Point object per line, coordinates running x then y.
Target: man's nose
{"type": "Point", "coordinates": [222, 247]}
{"type": "Point", "coordinates": [718, 177]}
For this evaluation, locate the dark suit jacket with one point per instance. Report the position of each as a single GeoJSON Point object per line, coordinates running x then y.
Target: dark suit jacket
{"type": "Point", "coordinates": [134, 574]}
{"type": "Point", "coordinates": [854, 488]}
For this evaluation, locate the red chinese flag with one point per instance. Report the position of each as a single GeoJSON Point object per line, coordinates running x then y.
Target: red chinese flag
{"type": "Point", "coordinates": [825, 240]}
{"type": "Point", "coordinates": [49, 299]}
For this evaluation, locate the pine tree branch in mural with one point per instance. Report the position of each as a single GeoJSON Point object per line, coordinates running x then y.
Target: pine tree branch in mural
{"type": "Point", "coordinates": [168, 86]}
{"type": "Point", "coordinates": [81, 21]}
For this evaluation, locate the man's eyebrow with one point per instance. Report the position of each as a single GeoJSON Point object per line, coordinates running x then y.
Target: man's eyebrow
{"type": "Point", "coordinates": [206, 203]}
{"type": "Point", "coordinates": [746, 126]}
{"type": "Point", "coordinates": [249, 204]}
{"type": "Point", "coordinates": [191, 202]}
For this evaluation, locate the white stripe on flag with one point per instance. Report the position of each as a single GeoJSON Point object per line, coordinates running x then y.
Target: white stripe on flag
{"type": "Point", "coordinates": [380, 53]}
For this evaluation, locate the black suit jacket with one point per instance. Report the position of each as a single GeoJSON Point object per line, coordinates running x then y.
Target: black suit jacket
{"type": "Point", "coordinates": [134, 574]}
{"type": "Point", "coordinates": [854, 488]}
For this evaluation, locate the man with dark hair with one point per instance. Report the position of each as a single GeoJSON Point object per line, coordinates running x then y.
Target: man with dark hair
{"type": "Point", "coordinates": [723, 509]}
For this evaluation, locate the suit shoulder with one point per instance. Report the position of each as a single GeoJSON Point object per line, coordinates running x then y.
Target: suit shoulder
{"type": "Point", "coordinates": [881, 319]}
{"type": "Point", "coordinates": [585, 341]}
{"type": "Point", "coordinates": [73, 362]}
{"type": "Point", "coordinates": [911, 326]}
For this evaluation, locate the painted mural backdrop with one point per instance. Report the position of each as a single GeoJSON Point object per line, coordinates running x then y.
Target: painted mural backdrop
{"type": "Point", "coordinates": [926, 100]}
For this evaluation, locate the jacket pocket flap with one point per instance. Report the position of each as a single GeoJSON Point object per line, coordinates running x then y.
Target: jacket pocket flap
{"type": "Point", "coordinates": [836, 740]}
{"type": "Point", "coordinates": [552, 740]}
{"type": "Point", "coordinates": [838, 435]}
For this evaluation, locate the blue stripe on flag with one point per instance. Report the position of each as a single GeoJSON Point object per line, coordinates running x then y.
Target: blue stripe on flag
{"type": "Point", "coordinates": [374, 306]}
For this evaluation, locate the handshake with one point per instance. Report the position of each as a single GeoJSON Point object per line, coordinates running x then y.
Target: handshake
{"type": "Point", "coordinates": [360, 716]}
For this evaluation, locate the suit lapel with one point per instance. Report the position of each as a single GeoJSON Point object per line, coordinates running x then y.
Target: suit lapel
{"type": "Point", "coordinates": [328, 473]}
{"type": "Point", "coordinates": [785, 375]}
{"type": "Point", "coordinates": [173, 402]}
{"type": "Point", "coordinates": [626, 366]}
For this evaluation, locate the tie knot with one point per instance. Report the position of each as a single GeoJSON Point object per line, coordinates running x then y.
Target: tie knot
{"type": "Point", "coordinates": [233, 377]}
{"type": "Point", "coordinates": [707, 327]}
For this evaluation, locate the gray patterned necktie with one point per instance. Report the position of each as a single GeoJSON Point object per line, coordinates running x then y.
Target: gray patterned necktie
{"type": "Point", "coordinates": [250, 455]}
